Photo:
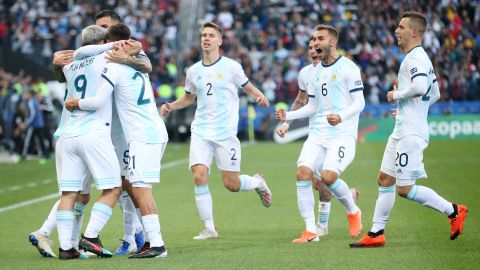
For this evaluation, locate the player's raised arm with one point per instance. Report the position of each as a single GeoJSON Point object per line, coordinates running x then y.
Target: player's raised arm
{"type": "Point", "coordinates": [130, 56]}
{"type": "Point", "coordinates": [60, 59]}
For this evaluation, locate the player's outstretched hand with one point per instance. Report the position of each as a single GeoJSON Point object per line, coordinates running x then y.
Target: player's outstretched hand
{"type": "Point", "coordinates": [334, 119]}
{"type": "Point", "coordinates": [281, 115]}
{"type": "Point", "coordinates": [165, 109]}
{"type": "Point", "coordinates": [283, 130]}
{"type": "Point", "coordinates": [262, 101]}
{"type": "Point", "coordinates": [62, 58]}
{"type": "Point", "coordinates": [71, 104]}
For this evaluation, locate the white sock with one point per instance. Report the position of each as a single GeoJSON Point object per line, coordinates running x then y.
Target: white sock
{"type": "Point", "coordinates": [139, 216]}
{"type": "Point", "coordinates": [130, 218]}
{"type": "Point", "coordinates": [65, 226]}
{"type": "Point", "coordinates": [51, 222]}
{"type": "Point", "coordinates": [203, 199]}
{"type": "Point", "coordinates": [429, 198]}
{"type": "Point", "coordinates": [306, 204]}
{"type": "Point", "coordinates": [78, 210]}
{"type": "Point", "coordinates": [323, 213]}
{"type": "Point", "coordinates": [100, 215]}
{"type": "Point", "coordinates": [249, 182]}
{"type": "Point", "coordinates": [383, 206]}
{"type": "Point", "coordinates": [341, 191]}
{"type": "Point", "coordinates": [152, 228]}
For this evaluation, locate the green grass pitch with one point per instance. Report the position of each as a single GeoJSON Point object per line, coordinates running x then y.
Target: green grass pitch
{"type": "Point", "coordinates": [254, 237]}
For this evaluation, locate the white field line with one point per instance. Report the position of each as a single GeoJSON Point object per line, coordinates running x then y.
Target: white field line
{"type": "Point", "coordinates": [55, 195]}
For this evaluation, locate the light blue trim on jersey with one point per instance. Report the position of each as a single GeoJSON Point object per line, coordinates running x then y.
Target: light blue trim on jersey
{"type": "Point", "coordinates": [108, 80]}
{"type": "Point", "coordinates": [356, 89]}
{"type": "Point", "coordinates": [413, 193]}
{"type": "Point", "coordinates": [389, 189]}
{"type": "Point", "coordinates": [418, 74]}
{"type": "Point", "coordinates": [205, 65]}
{"type": "Point", "coordinates": [328, 65]}
{"type": "Point", "coordinates": [334, 186]}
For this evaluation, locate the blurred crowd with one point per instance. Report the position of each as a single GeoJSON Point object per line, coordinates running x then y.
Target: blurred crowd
{"type": "Point", "coordinates": [268, 37]}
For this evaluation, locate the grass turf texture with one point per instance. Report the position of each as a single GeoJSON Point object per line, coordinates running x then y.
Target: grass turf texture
{"type": "Point", "coordinates": [254, 237]}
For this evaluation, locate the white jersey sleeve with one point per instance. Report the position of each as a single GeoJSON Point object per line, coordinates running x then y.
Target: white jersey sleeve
{"type": "Point", "coordinates": [303, 77]}
{"type": "Point", "coordinates": [239, 77]}
{"type": "Point", "coordinates": [189, 85]}
{"type": "Point", "coordinates": [135, 104]}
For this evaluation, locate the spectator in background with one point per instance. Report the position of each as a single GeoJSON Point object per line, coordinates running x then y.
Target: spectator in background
{"type": "Point", "coordinates": [34, 126]}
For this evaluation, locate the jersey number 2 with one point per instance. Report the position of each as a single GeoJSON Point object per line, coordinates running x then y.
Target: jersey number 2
{"type": "Point", "coordinates": [141, 100]}
{"type": "Point", "coordinates": [209, 91]}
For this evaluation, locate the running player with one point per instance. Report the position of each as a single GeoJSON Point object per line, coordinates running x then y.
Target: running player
{"type": "Point", "coordinates": [335, 101]}
{"type": "Point", "coordinates": [214, 82]}
{"type": "Point", "coordinates": [402, 162]}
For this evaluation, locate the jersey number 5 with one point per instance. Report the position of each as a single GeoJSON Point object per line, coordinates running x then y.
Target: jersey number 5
{"type": "Point", "coordinates": [141, 100]}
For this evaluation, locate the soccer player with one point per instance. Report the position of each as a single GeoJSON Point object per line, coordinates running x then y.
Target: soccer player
{"type": "Point", "coordinates": [335, 102]}
{"type": "Point", "coordinates": [145, 133]}
{"type": "Point", "coordinates": [133, 238]}
{"type": "Point", "coordinates": [87, 144]}
{"type": "Point", "coordinates": [214, 82]}
{"type": "Point", "coordinates": [402, 160]}
{"type": "Point", "coordinates": [325, 196]}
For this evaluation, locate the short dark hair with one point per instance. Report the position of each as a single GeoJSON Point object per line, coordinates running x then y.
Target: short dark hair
{"type": "Point", "coordinates": [331, 30]}
{"type": "Point", "coordinates": [214, 26]}
{"type": "Point", "coordinates": [310, 39]}
{"type": "Point", "coordinates": [417, 20]}
{"type": "Point", "coordinates": [108, 13]}
{"type": "Point", "coordinates": [118, 32]}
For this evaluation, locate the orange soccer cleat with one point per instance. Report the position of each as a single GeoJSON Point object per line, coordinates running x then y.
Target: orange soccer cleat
{"type": "Point", "coordinates": [370, 240]}
{"type": "Point", "coordinates": [306, 237]}
{"type": "Point", "coordinates": [355, 221]}
{"type": "Point", "coordinates": [457, 220]}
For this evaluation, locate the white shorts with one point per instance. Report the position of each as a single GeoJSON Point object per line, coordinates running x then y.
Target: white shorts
{"type": "Point", "coordinates": [121, 150]}
{"type": "Point", "coordinates": [333, 155]}
{"type": "Point", "coordinates": [144, 162]}
{"type": "Point", "coordinates": [141, 184]}
{"type": "Point", "coordinates": [86, 176]}
{"type": "Point", "coordinates": [228, 153]}
{"type": "Point", "coordinates": [403, 159]}
{"type": "Point", "coordinates": [94, 152]}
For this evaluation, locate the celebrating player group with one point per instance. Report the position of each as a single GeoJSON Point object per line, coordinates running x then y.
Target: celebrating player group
{"type": "Point", "coordinates": [112, 133]}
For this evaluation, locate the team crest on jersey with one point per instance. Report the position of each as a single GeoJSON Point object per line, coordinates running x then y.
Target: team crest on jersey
{"type": "Point", "coordinates": [220, 76]}
{"type": "Point", "coordinates": [413, 70]}
{"type": "Point", "coordinates": [334, 77]}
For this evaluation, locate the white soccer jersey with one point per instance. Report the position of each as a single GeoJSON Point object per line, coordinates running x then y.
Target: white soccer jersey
{"type": "Point", "coordinates": [135, 104]}
{"type": "Point", "coordinates": [332, 86]}
{"type": "Point", "coordinates": [83, 80]}
{"type": "Point", "coordinates": [304, 77]}
{"type": "Point", "coordinates": [61, 125]}
{"type": "Point", "coordinates": [412, 112]}
{"type": "Point", "coordinates": [216, 87]}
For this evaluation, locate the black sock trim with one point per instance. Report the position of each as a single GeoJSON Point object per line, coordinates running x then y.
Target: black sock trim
{"type": "Point", "coordinates": [372, 234]}
{"type": "Point", "coordinates": [455, 211]}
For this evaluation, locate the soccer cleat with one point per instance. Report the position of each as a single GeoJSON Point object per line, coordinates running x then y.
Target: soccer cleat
{"type": "Point", "coordinates": [145, 246]}
{"type": "Point", "coordinates": [355, 221]}
{"type": "Point", "coordinates": [206, 234]}
{"type": "Point", "coordinates": [94, 245]}
{"type": "Point", "coordinates": [370, 240]}
{"type": "Point", "coordinates": [322, 231]}
{"type": "Point", "coordinates": [153, 252]}
{"type": "Point", "coordinates": [456, 221]}
{"type": "Point", "coordinates": [42, 243]}
{"type": "Point", "coordinates": [307, 237]}
{"type": "Point", "coordinates": [125, 248]}
{"type": "Point", "coordinates": [139, 240]}
{"type": "Point", "coordinates": [70, 254]}
{"type": "Point", "coordinates": [263, 191]}
{"type": "Point", "coordinates": [355, 193]}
